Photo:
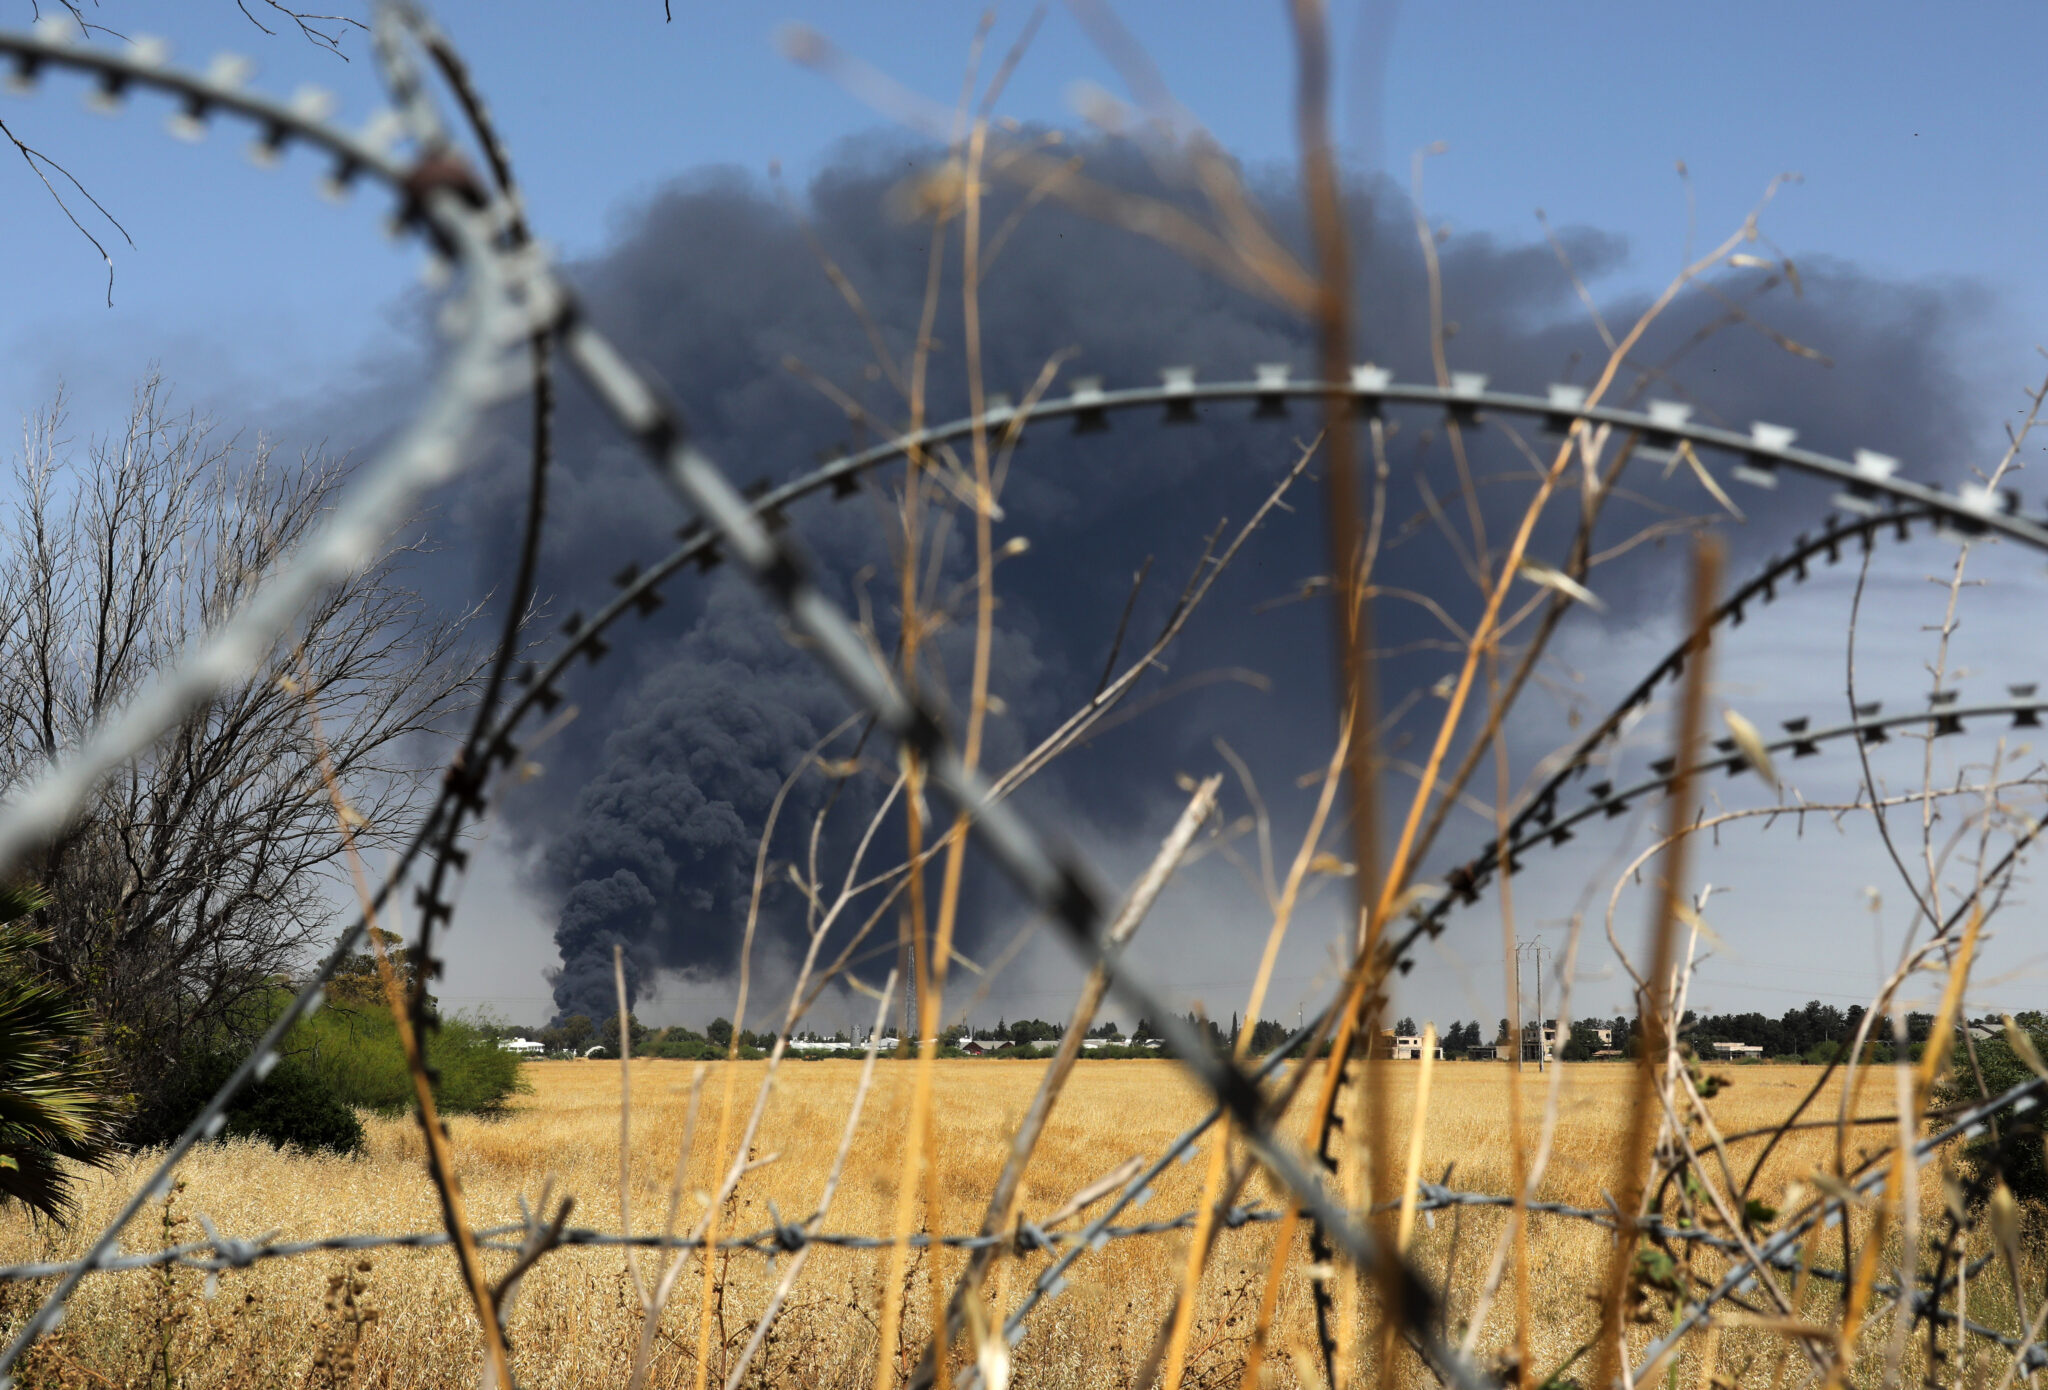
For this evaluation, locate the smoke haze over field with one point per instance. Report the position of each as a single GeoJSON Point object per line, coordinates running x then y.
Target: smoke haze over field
{"type": "Point", "coordinates": [655, 795]}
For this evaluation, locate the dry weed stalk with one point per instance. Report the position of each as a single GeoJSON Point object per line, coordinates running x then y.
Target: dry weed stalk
{"type": "Point", "coordinates": [1655, 1002]}
{"type": "Point", "coordinates": [1002, 1213]}
{"type": "Point", "coordinates": [831, 1187]}
{"type": "Point", "coordinates": [440, 1159]}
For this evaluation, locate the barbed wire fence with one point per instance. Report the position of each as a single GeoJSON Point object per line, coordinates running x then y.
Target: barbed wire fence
{"type": "Point", "coordinates": [506, 319]}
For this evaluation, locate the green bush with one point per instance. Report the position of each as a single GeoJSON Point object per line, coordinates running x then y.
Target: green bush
{"type": "Point", "coordinates": [332, 1065]}
{"type": "Point", "coordinates": [2017, 1152]}
{"type": "Point", "coordinates": [293, 1107]}
{"type": "Point", "coordinates": [355, 1053]}
{"type": "Point", "coordinates": [290, 1108]}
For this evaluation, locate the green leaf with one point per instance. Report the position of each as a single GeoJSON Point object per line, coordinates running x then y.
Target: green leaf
{"type": "Point", "coordinates": [1658, 1269]}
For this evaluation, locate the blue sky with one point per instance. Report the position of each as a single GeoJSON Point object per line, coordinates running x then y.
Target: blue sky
{"type": "Point", "coordinates": [1916, 141]}
{"type": "Point", "coordinates": [1914, 151]}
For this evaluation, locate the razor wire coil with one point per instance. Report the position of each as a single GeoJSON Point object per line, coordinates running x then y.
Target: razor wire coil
{"type": "Point", "coordinates": [509, 298]}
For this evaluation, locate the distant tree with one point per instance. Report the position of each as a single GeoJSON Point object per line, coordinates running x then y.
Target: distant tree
{"type": "Point", "coordinates": [1406, 1028]}
{"type": "Point", "coordinates": [357, 983]}
{"type": "Point", "coordinates": [573, 1034]}
{"type": "Point", "coordinates": [608, 1034]}
{"type": "Point", "coordinates": [1586, 1036]}
{"type": "Point", "coordinates": [1207, 1029]}
{"type": "Point", "coordinates": [1822, 1053]}
{"type": "Point", "coordinates": [1625, 1032]}
{"type": "Point", "coordinates": [1267, 1034]}
{"type": "Point", "coordinates": [1503, 1035]}
{"type": "Point", "coordinates": [719, 1033]}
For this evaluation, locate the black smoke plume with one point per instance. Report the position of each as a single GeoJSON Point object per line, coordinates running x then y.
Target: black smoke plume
{"type": "Point", "coordinates": [655, 796]}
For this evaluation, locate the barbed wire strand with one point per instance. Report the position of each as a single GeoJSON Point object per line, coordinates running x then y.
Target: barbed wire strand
{"type": "Point", "coordinates": [2023, 1097]}
{"type": "Point", "coordinates": [510, 299]}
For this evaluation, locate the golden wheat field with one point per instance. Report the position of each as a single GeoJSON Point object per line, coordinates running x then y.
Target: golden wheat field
{"type": "Point", "coordinates": [576, 1318]}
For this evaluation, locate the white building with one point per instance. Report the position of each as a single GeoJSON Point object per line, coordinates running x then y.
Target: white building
{"type": "Point", "coordinates": [525, 1047]}
{"type": "Point", "coordinates": [1549, 1050]}
{"type": "Point", "coordinates": [1550, 1042]}
{"type": "Point", "coordinates": [1737, 1051]}
{"type": "Point", "coordinates": [1409, 1048]}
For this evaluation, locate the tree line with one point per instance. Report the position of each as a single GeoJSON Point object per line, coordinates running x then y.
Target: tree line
{"type": "Point", "coordinates": [579, 1034]}
{"type": "Point", "coordinates": [1815, 1032]}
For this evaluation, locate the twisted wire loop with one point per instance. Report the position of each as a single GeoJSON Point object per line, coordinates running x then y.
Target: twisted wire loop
{"type": "Point", "coordinates": [1801, 740]}
{"type": "Point", "coordinates": [490, 315]}
{"type": "Point", "coordinates": [1539, 806]}
{"type": "Point", "coordinates": [1778, 1247]}
{"type": "Point", "coordinates": [639, 593]}
{"type": "Point", "coordinates": [509, 303]}
{"type": "Point", "coordinates": [509, 297]}
{"type": "Point", "coordinates": [1863, 482]}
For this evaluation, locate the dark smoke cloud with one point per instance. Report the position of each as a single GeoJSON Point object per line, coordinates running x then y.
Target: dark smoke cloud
{"type": "Point", "coordinates": [658, 851]}
{"type": "Point", "coordinates": [655, 795]}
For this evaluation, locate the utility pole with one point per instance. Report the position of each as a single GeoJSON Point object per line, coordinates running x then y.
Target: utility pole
{"type": "Point", "coordinates": [1536, 946]}
{"type": "Point", "coordinates": [1515, 1012]}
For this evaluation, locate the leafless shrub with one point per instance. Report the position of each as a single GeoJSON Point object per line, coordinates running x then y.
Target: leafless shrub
{"type": "Point", "coordinates": [201, 874]}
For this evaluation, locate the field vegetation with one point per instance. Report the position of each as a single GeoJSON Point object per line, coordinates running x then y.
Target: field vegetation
{"type": "Point", "coordinates": [577, 1319]}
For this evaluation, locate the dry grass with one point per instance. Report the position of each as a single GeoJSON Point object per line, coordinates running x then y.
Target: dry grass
{"type": "Point", "coordinates": [577, 1316]}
